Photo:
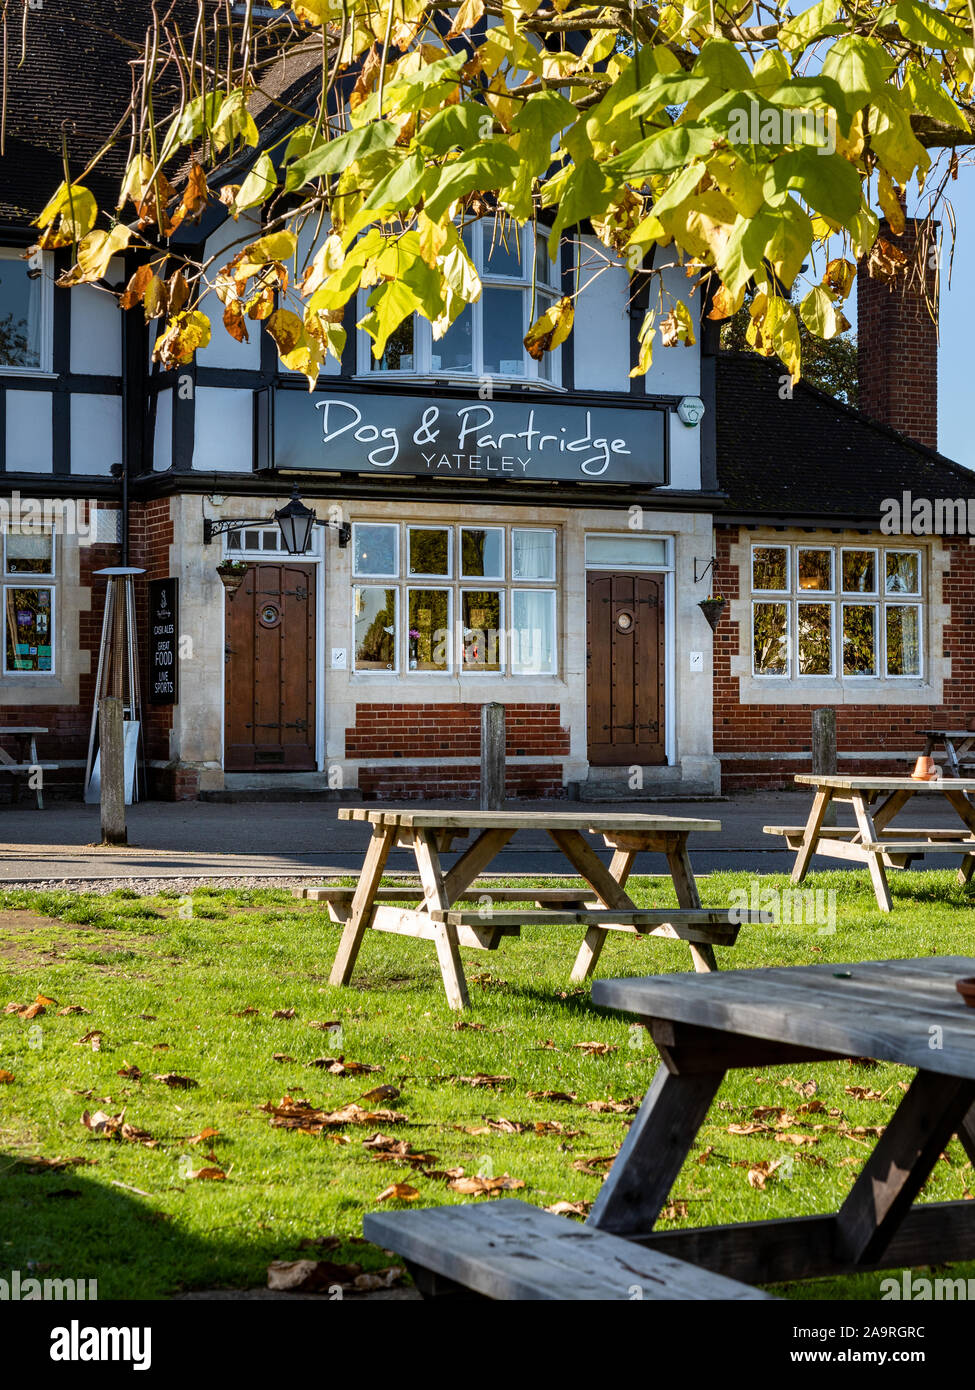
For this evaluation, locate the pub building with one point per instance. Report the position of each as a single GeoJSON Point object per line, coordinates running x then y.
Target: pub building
{"type": "Point", "coordinates": [486, 528]}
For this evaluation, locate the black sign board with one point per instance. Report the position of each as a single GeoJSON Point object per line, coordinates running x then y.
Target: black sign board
{"type": "Point", "coordinates": [163, 641]}
{"type": "Point", "coordinates": [495, 440]}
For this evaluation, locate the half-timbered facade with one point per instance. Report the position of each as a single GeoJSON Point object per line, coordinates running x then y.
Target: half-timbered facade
{"type": "Point", "coordinates": [493, 529]}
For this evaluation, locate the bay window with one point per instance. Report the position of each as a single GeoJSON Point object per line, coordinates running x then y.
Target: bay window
{"type": "Point", "coordinates": [520, 283]}
{"type": "Point", "coordinates": [440, 599]}
{"type": "Point", "coordinates": [849, 612]}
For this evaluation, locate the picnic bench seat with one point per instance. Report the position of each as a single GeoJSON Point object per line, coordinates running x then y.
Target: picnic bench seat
{"type": "Point", "coordinates": [579, 895]}
{"type": "Point", "coordinates": [849, 831]}
{"type": "Point", "coordinates": [506, 1249]}
{"type": "Point", "coordinates": [26, 762]}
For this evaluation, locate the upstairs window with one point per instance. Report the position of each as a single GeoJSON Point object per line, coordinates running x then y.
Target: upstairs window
{"type": "Point", "coordinates": [487, 339]}
{"type": "Point", "coordinates": [25, 314]}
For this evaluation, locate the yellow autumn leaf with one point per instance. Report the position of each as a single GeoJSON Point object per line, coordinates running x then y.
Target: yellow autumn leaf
{"type": "Point", "coordinates": [551, 330]}
{"type": "Point", "coordinates": [186, 334]}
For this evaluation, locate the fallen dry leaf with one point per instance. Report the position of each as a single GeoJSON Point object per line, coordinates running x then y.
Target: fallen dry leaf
{"type": "Point", "coordinates": [759, 1174]}
{"type": "Point", "coordinates": [864, 1093]}
{"type": "Point", "coordinates": [92, 1039]}
{"type": "Point", "coordinates": [208, 1174]}
{"type": "Point", "coordinates": [178, 1083]}
{"type": "Point", "coordinates": [379, 1279]}
{"type": "Point", "coordinates": [309, 1276]}
{"type": "Point", "coordinates": [246, 1013]}
{"type": "Point", "coordinates": [756, 1128]}
{"type": "Point", "coordinates": [482, 1078]}
{"type": "Point", "coordinates": [72, 1009]}
{"type": "Point", "coordinates": [594, 1166]}
{"type": "Point", "coordinates": [476, 1186]}
{"type": "Point", "coordinates": [148, 1018]}
{"type": "Point", "coordinates": [53, 1165]}
{"type": "Point", "coordinates": [569, 1208]}
{"type": "Point", "coordinates": [302, 1115]}
{"type": "Point", "coordinates": [324, 1027]}
{"type": "Point", "coordinates": [130, 1073]}
{"type": "Point", "coordinates": [6, 1077]}
{"type": "Point", "coordinates": [160, 1047]}
{"type": "Point", "coordinates": [398, 1192]}
{"type": "Point", "coordinates": [556, 1127]}
{"type": "Point", "coordinates": [784, 1137]}
{"type": "Point", "coordinates": [284, 1013]}
{"type": "Point", "coordinates": [281, 1057]}
{"type": "Point", "coordinates": [462, 1024]}
{"type": "Point", "coordinates": [338, 1066]}
{"type": "Point", "coordinates": [116, 1127]}
{"type": "Point", "coordinates": [612, 1107]}
{"type": "Point", "coordinates": [204, 1136]}
{"type": "Point", "coordinates": [380, 1093]}
{"type": "Point", "coordinates": [674, 1211]}
{"type": "Point", "coordinates": [568, 1097]}
{"type": "Point", "coordinates": [596, 1049]}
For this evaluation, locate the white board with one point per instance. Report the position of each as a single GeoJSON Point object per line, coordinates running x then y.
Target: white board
{"type": "Point", "coordinates": [93, 791]}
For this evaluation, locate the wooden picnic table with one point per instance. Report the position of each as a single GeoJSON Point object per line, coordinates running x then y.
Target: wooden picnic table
{"type": "Point", "coordinates": [959, 746]}
{"type": "Point", "coordinates": [905, 1011]}
{"type": "Point", "coordinates": [26, 762]}
{"type": "Point", "coordinates": [873, 841]}
{"type": "Point", "coordinates": [601, 902]}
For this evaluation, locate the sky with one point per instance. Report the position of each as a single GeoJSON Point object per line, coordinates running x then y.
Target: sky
{"type": "Point", "coordinates": [956, 360]}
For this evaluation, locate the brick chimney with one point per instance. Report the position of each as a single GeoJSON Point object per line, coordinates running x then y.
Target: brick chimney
{"type": "Point", "coordinates": [897, 339]}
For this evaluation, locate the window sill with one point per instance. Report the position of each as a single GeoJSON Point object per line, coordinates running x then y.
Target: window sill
{"type": "Point", "coordinates": [855, 690]}
{"type": "Point", "coordinates": [35, 373]}
{"type": "Point", "coordinates": [444, 379]}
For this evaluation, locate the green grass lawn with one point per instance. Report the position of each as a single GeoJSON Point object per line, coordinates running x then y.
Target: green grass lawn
{"type": "Point", "coordinates": [190, 987]}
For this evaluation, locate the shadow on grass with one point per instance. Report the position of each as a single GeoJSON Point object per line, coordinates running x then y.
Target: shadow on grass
{"type": "Point", "coordinates": [62, 1224]}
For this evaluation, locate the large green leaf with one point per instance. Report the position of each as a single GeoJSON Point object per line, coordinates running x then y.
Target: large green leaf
{"type": "Point", "coordinates": [331, 156]}
{"type": "Point", "coordinates": [721, 62]}
{"type": "Point", "coordinates": [461, 124]}
{"type": "Point", "coordinates": [925, 25]}
{"type": "Point", "coordinates": [828, 183]}
{"type": "Point", "coordinates": [586, 193]}
{"type": "Point", "coordinates": [892, 139]}
{"type": "Point", "coordinates": [860, 66]}
{"type": "Point", "coordinates": [668, 149]}
{"type": "Point", "coordinates": [486, 167]}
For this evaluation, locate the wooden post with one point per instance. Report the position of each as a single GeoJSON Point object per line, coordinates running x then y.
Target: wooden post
{"type": "Point", "coordinates": [824, 751]}
{"type": "Point", "coordinates": [111, 738]}
{"type": "Point", "coordinates": [492, 757]}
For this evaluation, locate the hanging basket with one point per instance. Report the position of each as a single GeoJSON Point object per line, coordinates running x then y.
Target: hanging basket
{"type": "Point", "coordinates": [712, 608]}
{"type": "Point", "coordinates": [232, 574]}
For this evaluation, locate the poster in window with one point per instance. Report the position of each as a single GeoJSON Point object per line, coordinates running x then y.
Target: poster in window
{"type": "Point", "coordinates": [28, 627]}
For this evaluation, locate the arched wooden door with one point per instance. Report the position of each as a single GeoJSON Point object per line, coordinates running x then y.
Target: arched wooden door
{"type": "Point", "coordinates": [626, 669]}
{"type": "Point", "coordinates": [269, 703]}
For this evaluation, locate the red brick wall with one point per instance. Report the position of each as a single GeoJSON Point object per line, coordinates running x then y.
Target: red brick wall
{"type": "Point", "coordinates": [872, 728]}
{"type": "Point", "coordinates": [897, 343]}
{"type": "Point", "coordinates": [150, 535]}
{"type": "Point", "coordinates": [434, 731]}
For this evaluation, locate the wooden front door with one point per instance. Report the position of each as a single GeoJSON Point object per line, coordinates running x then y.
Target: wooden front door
{"type": "Point", "coordinates": [269, 705]}
{"type": "Point", "coordinates": [625, 662]}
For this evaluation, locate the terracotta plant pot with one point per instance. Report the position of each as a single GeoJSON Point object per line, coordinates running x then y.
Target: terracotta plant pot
{"type": "Point", "coordinates": [712, 608]}
{"type": "Point", "coordinates": [925, 769]}
{"type": "Point", "coordinates": [966, 988]}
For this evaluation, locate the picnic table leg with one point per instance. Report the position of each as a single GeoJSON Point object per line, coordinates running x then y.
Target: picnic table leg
{"type": "Point", "coordinates": [35, 762]}
{"type": "Point", "coordinates": [966, 1134]}
{"type": "Point", "coordinates": [604, 883]}
{"type": "Point", "coordinates": [445, 936]}
{"type": "Point", "coordinates": [931, 1112]}
{"type": "Point", "coordinates": [362, 904]}
{"type": "Point", "coordinates": [966, 811]}
{"type": "Point", "coordinates": [687, 896]}
{"type": "Point", "coordinates": [810, 836]}
{"type": "Point", "coordinates": [868, 834]}
{"type": "Point", "coordinates": [653, 1152]}
{"type": "Point", "coordinates": [474, 860]}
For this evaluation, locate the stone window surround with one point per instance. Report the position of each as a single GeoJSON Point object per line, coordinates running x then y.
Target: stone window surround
{"type": "Point", "coordinates": [62, 686]}
{"type": "Point", "coordinates": [860, 690]}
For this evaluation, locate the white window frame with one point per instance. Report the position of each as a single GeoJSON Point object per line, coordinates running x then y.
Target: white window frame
{"type": "Point", "coordinates": [234, 547]}
{"type": "Point", "coordinates": [407, 587]}
{"type": "Point", "coordinates": [41, 261]}
{"type": "Point", "coordinates": [495, 586]}
{"type": "Point", "coordinates": [456, 585]}
{"type": "Point", "coordinates": [773, 596]}
{"type": "Point", "coordinates": [487, 578]}
{"type": "Point", "coordinates": [839, 599]}
{"type": "Point", "coordinates": [362, 574]}
{"type": "Point", "coordinates": [860, 593]}
{"type": "Point", "coordinates": [424, 346]}
{"type": "Point", "coordinates": [398, 588]}
{"type": "Point", "coordinates": [40, 581]}
{"type": "Point", "coordinates": [829, 602]}
{"type": "Point", "coordinates": [410, 575]}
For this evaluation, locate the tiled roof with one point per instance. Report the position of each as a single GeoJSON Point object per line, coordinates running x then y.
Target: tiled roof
{"type": "Point", "coordinates": [812, 456]}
